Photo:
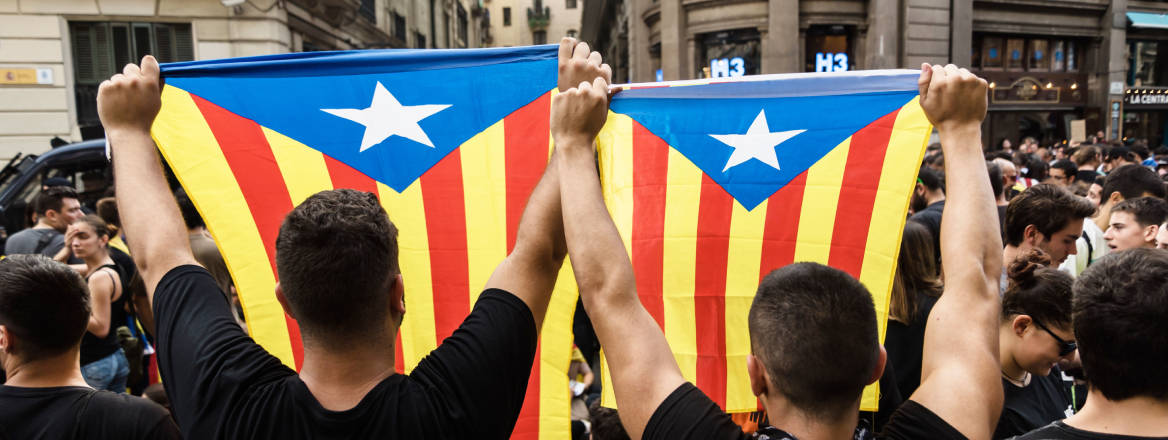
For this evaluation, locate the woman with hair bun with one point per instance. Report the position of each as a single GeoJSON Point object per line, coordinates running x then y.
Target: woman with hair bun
{"type": "Point", "coordinates": [103, 362]}
{"type": "Point", "coordinates": [1035, 334]}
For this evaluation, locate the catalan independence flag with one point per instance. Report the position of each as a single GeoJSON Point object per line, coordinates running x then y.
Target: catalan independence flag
{"type": "Point", "coordinates": [713, 185]}
{"type": "Point", "coordinates": [452, 142]}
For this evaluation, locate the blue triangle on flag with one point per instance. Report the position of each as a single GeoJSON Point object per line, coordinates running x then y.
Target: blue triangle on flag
{"type": "Point", "coordinates": [319, 99]}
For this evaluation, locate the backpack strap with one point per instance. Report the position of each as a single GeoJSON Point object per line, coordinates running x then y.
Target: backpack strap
{"type": "Point", "coordinates": [1090, 248]}
{"type": "Point", "coordinates": [83, 401]}
{"type": "Point", "coordinates": [43, 243]}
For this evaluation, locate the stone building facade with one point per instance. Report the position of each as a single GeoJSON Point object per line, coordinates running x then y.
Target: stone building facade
{"type": "Point", "coordinates": [1050, 61]}
{"type": "Point", "coordinates": [54, 53]}
{"type": "Point", "coordinates": [528, 22]}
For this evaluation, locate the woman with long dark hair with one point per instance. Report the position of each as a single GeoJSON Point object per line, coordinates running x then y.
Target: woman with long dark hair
{"type": "Point", "coordinates": [915, 290]}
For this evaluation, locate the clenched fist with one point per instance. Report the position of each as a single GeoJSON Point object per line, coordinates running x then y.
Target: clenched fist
{"type": "Point", "coordinates": [579, 113]}
{"type": "Point", "coordinates": [952, 97]}
{"type": "Point", "coordinates": [130, 100]}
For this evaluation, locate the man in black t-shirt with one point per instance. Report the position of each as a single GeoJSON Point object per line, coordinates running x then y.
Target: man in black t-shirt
{"type": "Point", "coordinates": [813, 328]}
{"type": "Point", "coordinates": [928, 204]}
{"type": "Point", "coordinates": [1120, 315]}
{"type": "Point", "coordinates": [336, 256]}
{"type": "Point", "coordinates": [44, 308]}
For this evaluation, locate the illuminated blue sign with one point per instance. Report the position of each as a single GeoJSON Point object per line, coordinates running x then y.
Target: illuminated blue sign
{"type": "Point", "coordinates": [726, 67]}
{"type": "Point", "coordinates": [831, 62]}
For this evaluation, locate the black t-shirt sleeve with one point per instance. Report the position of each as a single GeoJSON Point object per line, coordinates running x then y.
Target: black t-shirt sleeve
{"type": "Point", "coordinates": [206, 360]}
{"type": "Point", "coordinates": [479, 374]}
{"type": "Point", "coordinates": [688, 414]}
{"type": "Point", "coordinates": [915, 421]}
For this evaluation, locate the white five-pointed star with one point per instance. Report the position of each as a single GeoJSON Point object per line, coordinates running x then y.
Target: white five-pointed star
{"type": "Point", "coordinates": [386, 117]}
{"type": "Point", "coordinates": [758, 143]}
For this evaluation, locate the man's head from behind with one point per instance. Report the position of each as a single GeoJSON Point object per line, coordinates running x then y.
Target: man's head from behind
{"type": "Point", "coordinates": [336, 255]}
{"type": "Point", "coordinates": [1129, 182]}
{"type": "Point", "coordinates": [58, 207]}
{"type": "Point", "coordinates": [930, 186]}
{"type": "Point", "coordinates": [44, 308]}
{"type": "Point", "coordinates": [813, 330]}
{"type": "Point", "coordinates": [1120, 316]}
{"type": "Point", "coordinates": [1135, 222]}
{"type": "Point", "coordinates": [1046, 217]}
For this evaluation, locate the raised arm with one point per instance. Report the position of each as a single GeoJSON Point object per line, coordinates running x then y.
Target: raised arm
{"type": "Point", "coordinates": [530, 271]}
{"type": "Point", "coordinates": [127, 104]}
{"type": "Point", "coordinates": [643, 370]}
{"type": "Point", "coordinates": [960, 379]}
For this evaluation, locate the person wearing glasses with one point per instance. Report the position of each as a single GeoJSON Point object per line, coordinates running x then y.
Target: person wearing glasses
{"type": "Point", "coordinates": [1034, 335]}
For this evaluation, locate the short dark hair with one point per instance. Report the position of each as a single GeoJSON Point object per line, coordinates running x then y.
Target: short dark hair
{"type": "Point", "coordinates": [107, 209]}
{"type": "Point", "coordinates": [1121, 323]}
{"type": "Point", "coordinates": [1120, 152]}
{"type": "Point", "coordinates": [996, 183]}
{"type": "Point", "coordinates": [1036, 168]}
{"type": "Point", "coordinates": [45, 304]}
{"type": "Point", "coordinates": [1037, 290]}
{"type": "Point", "coordinates": [190, 214]}
{"type": "Point", "coordinates": [1069, 168]}
{"type": "Point", "coordinates": [931, 179]}
{"type": "Point", "coordinates": [1048, 207]}
{"type": "Point", "coordinates": [814, 329]}
{"type": "Point", "coordinates": [1132, 181]}
{"type": "Point", "coordinates": [336, 255]}
{"type": "Point", "coordinates": [1147, 211]}
{"type": "Point", "coordinates": [606, 423]}
{"type": "Point", "coordinates": [53, 199]}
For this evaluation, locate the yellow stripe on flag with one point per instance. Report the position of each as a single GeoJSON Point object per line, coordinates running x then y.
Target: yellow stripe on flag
{"type": "Point", "coordinates": [742, 263]}
{"type": "Point", "coordinates": [408, 213]}
{"type": "Point", "coordinates": [303, 168]}
{"type": "Point", "coordinates": [616, 141]}
{"type": "Point", "coordinates": [188, 145]}
{"type": "Point", "coordinates": [555, 354]}
{"type": "Point", "coordinates": [682, 196]}
{"type": "Point", "coordinates": [820, 199]}
{"type": "Point", "coordinates": [484, 182]}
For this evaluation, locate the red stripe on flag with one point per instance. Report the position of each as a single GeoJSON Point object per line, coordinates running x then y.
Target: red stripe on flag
{"type": "Point", "coordinates": [346, 177]}
{"type": "Point", "coordinates": [442, 196]}
{"type": "Point", "coordinates": [650, 171]}
{"type": "Point", "coordinates": [713, 246]}
{"type": "Point", "coordinates": [525, 137]}
{"type": "Point", "coordinates": [255, 170]}
{"type": "Point", "coordinates": [782, 225]}
{"type": "Point", "coordinates": [858, 194]}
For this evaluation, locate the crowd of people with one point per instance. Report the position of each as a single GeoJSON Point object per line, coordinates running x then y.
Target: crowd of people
{"type": "Point", "coordinates": [1029, 302]}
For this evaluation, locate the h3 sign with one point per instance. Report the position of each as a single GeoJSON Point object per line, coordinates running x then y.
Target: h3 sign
{"type": "Point", "coordinates": [727, 67]}
{"type": "Point", "coordinates": [831, 62]}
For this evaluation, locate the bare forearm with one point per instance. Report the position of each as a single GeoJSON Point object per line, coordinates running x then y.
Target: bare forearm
{"type": "Point", "coordinates": [971, 244]}
{"type": "Point", "coordinates": [599, 260]}
{"type": "Point", "coordinates": [154, 227]}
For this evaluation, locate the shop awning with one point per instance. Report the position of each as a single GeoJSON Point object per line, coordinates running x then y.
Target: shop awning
{"type": "Point", "coordinates": [1149, 20]}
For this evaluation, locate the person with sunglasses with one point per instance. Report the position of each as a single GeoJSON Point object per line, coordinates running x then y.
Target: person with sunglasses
{"type": "Point", "coordinates": [1034, 335]}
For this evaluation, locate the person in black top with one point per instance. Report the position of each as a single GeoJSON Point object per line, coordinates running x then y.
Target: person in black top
{"type": "Point", "coordinates": [1120, 316]}
{"type": "Point", "coordinates": [1035, 334]}
{"type": "Point", "coordinates": [928, 204]}
{"type": "Point", "coordinates": [44, 310]}
{"type": "Point", "coordinates": [813, 328]}
{"type": "Point", "coordinates": [336, 257]}
{"type": "Point", "coordinates": [103, 363]}
{"type": "Point", "coordinates": [1087, 159]}
{"type": "Point", "coordinates": [915, 290]}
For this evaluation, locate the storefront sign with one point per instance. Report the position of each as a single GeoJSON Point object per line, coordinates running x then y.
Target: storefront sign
{"type": "Point", "coordinates": [1146, 98]}
{"type": "Point", "coordinates": [727, 67]}
{"type": "Point", "coordinates": [831, 62]}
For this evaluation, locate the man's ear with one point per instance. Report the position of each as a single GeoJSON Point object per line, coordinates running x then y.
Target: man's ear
{"type": "Point", "coordinates": [1031, 235]}
{"type": "Point", "coordinates": [881, 361]}
{"type": "Point", "coordinates": [5, 340]}
{"type": "Point", "coordinates": [759, 380]}
{"type": "Point", "coordinates": [397, 296]}
{"type": "Point", "coordinates": [1150, 234]}
{"type": "Point", "coordinates": [283, 301]}
{"type": "Point", "coordinates": [1114, 198]}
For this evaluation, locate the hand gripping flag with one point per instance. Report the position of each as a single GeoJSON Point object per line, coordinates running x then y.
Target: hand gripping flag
{"type": "Point", "coordinates": [451, 141]}
{"type": "Point", "coordinates": [713, 185]}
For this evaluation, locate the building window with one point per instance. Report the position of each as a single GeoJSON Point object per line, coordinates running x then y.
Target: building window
{"type": "Point", "coordinates": [399, 27]}
{"type": "Point", "coordinates": [991, 53]}
{"type": "Point", "coordinates": [100, 49]}
{"type": "Point", "coordinates": [1015, 47]}
{"type": "Point", "coordinates": [829, 48]}
{"type": "Point", "coordinates": [419, 40]}
{"type": "Point", "coordinates": [570, 4]}
{"type": "Point", "coordinates": [463, 23]}
{"type": "Point", "coordinates": [369, 10]}
{"type": "Point", "coordinates": [506, 16]}
{"type": "Point", "coordinates": [539, 37]}
{"type": "Point", "coordinates": [1038, 57]}
{"type": "Point", "coordinates": [1147, 68]}
{"type": "Point", "coordinates": [1058, 56]}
